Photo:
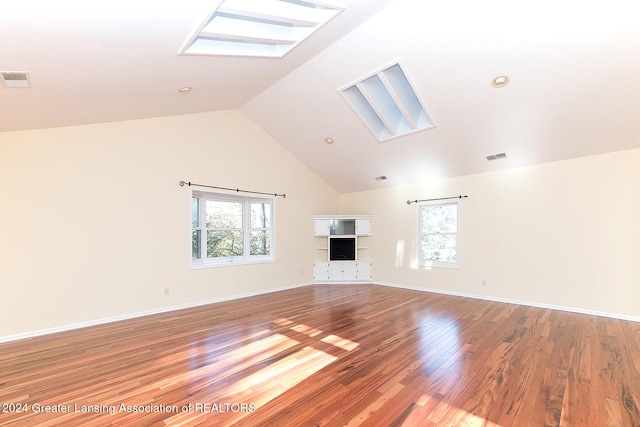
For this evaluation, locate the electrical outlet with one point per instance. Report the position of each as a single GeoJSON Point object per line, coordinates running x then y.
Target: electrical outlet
{"type": "Point", "coordinates": [484, 282]}
{"type": "Point", "coordinates": [166, 291]}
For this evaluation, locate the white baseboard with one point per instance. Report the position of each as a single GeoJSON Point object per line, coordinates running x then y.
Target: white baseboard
{"type": "Point", "coordinates": [63, 328]}
{"type": "Point", "coordinates": [342, 282]}
{"type": "Point", "coordinates": [519, 302]}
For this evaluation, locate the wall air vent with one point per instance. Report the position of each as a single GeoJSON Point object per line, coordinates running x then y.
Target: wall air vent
{"type": "Point", "coordinates": [15, 79]}
{"type": "Point", "coordinates": [268, 28]}
{"type": "Point", "coordinates": [497, 156]}
{"type": "Point", "coordinates": [388, 104]}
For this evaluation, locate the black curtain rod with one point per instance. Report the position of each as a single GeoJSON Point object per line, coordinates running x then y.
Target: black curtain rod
{"type": "Point", "coordinates": [433, 200]}
{"type": "Point", "coordinates": [237, 190]}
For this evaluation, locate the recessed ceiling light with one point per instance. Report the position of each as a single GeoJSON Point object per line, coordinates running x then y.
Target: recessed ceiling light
{"type": "Point", "coordinates": [329, 140]}
{"type": "Point", "coordinates": [185, 90]}
{"type": "Point", "coordinates": [500, 81]}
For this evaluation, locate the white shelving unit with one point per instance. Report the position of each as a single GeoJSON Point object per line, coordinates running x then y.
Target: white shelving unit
{"type": "Point", "coordinates": [341, 237]}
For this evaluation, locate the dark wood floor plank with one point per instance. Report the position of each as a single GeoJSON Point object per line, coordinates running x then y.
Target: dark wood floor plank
{"type": "Point", "coordinates": [330, 355]}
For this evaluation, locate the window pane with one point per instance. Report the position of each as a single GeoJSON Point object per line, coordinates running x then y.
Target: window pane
{"type": "Point", "coordinates": [224, 243]}
{"type": "Point", "coordinates": [440, 218]}
{"type": "Point", "coordinates": [438, 248]}
{"type": "Point", "coordinates": [260, 243]}
{"type": "Point", "coordinates": [195, 244]}
{"type": "Point", "coordinates": [195, 212]}
{"type": "Point", "coordinates": [221, 214]}
{"type": "Point", "coordinates": [260, 215]}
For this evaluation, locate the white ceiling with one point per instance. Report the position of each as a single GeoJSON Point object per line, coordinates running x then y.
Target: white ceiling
{"type": "Point", "coordinates": [574, 69]}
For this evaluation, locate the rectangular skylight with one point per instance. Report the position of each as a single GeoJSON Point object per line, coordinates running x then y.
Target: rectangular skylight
{"type": "Point", "coordinates": [259, 27]}
{"type": "Point", "coordinates": [14, 79]}
{"type": "Point", "coordinates": [388, 104]}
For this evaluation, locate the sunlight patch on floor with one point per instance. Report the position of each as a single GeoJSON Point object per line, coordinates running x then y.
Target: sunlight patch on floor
{"type": "Point", "coordinates": [281, 375]}
{"type": "Point", "coordinates": [307, 330]}
{"type": "Point", "coordinates": [219, 366]}
{"type": "Point", "coordinates": [343, 343]}
{"type": "Point", "coordinates": [446, 414]}
{"type": "Point", "coordinates": [283, 322]}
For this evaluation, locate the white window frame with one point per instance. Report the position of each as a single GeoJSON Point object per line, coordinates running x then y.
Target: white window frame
{"type": "Point", "coordinates": [246, 258]}
{"type": "Point", "coordinates": [437, 264]}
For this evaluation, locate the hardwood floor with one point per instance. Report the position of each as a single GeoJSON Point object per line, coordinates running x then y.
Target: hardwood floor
{"type": "Point", "coordinates": [331, 356]}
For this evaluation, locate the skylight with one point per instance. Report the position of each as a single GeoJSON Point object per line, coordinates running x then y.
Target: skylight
{"type": "Point", "coordinates": [387, 103]}
{"type": "Point", "coordinates": [13, 79]}
{"type": "Point", "coordinates": [268, 28]}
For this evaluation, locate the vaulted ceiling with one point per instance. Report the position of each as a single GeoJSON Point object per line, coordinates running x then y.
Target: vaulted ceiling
{"type": "Point", "coordinates": [573, 69]}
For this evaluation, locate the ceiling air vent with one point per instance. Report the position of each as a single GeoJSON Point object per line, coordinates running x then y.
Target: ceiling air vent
{"type": "Point", "coordinates": [269, 28]}
{"type": "Point", "coordinates": [13, 79]}
{"type": "Point", "coordinates": [497, 156]}
{"type": "Point", "coordinates": [388, 104]}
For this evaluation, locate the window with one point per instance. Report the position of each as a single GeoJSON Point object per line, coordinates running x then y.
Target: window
{"type": "Point", "coordinates": [229, 228]}
{"type": "Point", "coordinates": [438, 235]}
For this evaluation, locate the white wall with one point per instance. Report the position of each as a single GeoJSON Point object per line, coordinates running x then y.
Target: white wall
{"type": "Point", "coordinates": [94, 225]}
{"type": "Point", "coordinates": [564, 233]}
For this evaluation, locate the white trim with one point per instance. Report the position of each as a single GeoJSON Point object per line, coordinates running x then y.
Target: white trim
{"type": "Point", "coordinates": [73, 326]}
{"type": "Point", "coordinates": [342, 217]}
{"type": "Point", "coordinates": [229, 262]}
{"type": "Point", "coordinates": [519, 302]}
{"type": "Point", "coordinates": [344, 282]}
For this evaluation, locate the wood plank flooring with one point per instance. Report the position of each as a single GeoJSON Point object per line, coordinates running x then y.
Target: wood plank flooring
{"type": "Point", "coordinates": [331, 355]}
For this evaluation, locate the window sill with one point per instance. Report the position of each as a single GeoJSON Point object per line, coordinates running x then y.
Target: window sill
{"type": "Point", "coordinates": [430, 265]}
{"type": "Point", "coordinates": [229, 262]}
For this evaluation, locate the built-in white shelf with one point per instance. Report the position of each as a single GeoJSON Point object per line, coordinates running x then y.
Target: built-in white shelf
{"type": "Point", "coordinates": [342, 262]}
